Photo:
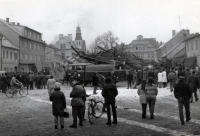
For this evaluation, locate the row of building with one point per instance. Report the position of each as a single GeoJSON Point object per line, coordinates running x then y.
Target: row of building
{"type": "Point", "coordinates": [22, 49]}
{"type": "Point", "coordinates": [182, 48]}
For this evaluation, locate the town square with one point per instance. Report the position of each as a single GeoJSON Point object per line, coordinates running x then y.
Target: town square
{"type": "Point", "coordinates": [102, 68]}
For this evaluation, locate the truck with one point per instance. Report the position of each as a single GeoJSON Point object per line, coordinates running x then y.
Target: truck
{"type": "Point", "coordinates": [85, 72]}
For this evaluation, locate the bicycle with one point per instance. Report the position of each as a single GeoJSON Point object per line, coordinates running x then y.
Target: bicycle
{"type": "Point", "coordinates": [95, 109]}
{"type": "Point", "coordinates": [13, 91]}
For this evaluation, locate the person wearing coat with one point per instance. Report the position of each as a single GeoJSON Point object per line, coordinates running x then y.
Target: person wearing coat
{"type": "Point", "coordinates": [77, 103]}
{"type": "Point", "coordinates": [134, 80]}
{"type": "Point", "coordinates": [160, 79]}
{"type": "Point", "coordinates": [142, 95]}
{"type": "Point", "coordinates": [109, 93]}
{"type": "Point", "coordinates": [50, 84]}
{"type": "Point", "coordinates": [152, 91]}
{"type": "Point", "coordinates": [58, 105]}
{"type": "Point", "coordinates": [95, 82]}
{"type": "Point", "coordinates": [129, 79]}
{"type": "Point", "coordinates": [193, 82]}
{"type": "Point", "coordinates": [182, 93]}
{"type": "Point", "coordinates": [3, 83]}
{"type": "Point", "coordinates": [172, 78]}
{"type": "Point", "coordinates": [164, 73]}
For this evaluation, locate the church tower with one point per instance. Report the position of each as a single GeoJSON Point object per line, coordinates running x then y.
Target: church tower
{"type": "Point", "coordinates": [79, 42]}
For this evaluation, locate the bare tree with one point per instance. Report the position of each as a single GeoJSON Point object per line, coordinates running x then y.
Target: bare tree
{"type": "Point", "coordinates": [108, 40]}
{"type": "Point", "coordinates": [92, 47]}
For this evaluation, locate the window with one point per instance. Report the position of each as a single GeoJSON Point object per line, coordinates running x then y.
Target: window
{"type": "Point", "coordinates": [62, 46]}
{"type": "Point", "coordinates": [142, 56]}
{"type": "Point", "coordinates": [136, 48]}
{"type": "Point", "coordinates": [188, 47]}
{"type": "Point", "coordinates": [7, 54]}
{"type": "Point", "coordinates": [31, 57]}
{"type": "Point", "coordinates": [38, 47]}
{"type": "Point", "coordinates": [10, 69]}
{"type": "Point", "coordinates": [4, 69]}
{"type": "Point", "coordinates": [191, 45]}
{"type": "Point", "coordinates": [21, 56]}
{"type": "Point", "coordinates": [26, 57]}
{"type": "Point", "coordinates": [149, 56]}
{"type": "Point", "coordinates": [4, 54]}
{"type": "Point", "coordinates": [10, 55]}
{"type": "Point", "coordinates": [33, 35]}
{"type": "Point", "coordinates": [30, 34]}
{"type": "Point", "coordinates": [63, 55]}
{"type": "Point", "coordinates": [152, 55]}
{"type": "Point", "coordinates": [25, 32]}
{"type": "Point", "coordinates": [15, 56]}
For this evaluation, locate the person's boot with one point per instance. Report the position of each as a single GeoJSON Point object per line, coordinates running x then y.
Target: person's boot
{"type": "Point", "coordinates": [56, 127]}
{"type": "Point", "coordinates": [73, 126]}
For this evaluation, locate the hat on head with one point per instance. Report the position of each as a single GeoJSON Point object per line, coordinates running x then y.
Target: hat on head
{"type": "Point", "coordinates": [57, 85]}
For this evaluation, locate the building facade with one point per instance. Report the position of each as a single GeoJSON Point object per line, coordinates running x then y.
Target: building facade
{"type": "Point", "coordinates": [177, 39]}
{"type": "Point", "coordinates": [144, 47]}
{"type": "Point", "coordinates": [30, 44]}
{"type": "Point", "coordinates": [10, 56]}
{"type": "Point", "coordinates": [192, 44]}
{"type": "Point", "coordinates": [64, 43]}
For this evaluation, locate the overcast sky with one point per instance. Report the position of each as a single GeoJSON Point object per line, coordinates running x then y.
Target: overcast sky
{"type": "Point", "coordinates": [125, 18]}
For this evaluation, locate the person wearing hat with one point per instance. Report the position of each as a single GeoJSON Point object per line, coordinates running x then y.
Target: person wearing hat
{"type": "Point", "coordinates": [193, 82]}
{"type": "Point", "coordinates": [50, 84]}
{"type": "Point", "coordinates": [58, 105]}
{"type": "Point", "coordinates": [77, 103]}
{"type": "Point", "coordinates": [182, 93]}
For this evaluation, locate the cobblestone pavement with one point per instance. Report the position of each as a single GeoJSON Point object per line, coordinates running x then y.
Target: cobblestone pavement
{"type": "Point", "coordinates": [32, 116]}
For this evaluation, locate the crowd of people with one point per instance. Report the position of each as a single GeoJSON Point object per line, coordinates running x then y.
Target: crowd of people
{"type": "Point", "coordinates": [29, 80]}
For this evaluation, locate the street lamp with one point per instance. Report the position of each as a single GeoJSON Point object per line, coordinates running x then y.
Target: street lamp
{"type": "Point", "coordinates": [1, 38]}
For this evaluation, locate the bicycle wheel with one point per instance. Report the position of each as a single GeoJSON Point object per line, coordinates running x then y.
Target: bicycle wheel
{"type": "Point", "coordinates": [91, 116]}
{"type": "Point", "coordinates": [23, 92]}
{"type": "Point", "coordinates": [98, 109]}
{"type": "Point", "coordinates": [9, 93]}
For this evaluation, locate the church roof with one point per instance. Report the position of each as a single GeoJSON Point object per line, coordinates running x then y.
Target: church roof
{"type": "Point", "coordinates": [151, 41]}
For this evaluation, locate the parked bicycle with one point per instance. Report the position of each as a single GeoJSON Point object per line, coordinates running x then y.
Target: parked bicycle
{"type": "Point", "coordinates": [14, 90]}
{"type": "Point", "coordinates": [95, 109]}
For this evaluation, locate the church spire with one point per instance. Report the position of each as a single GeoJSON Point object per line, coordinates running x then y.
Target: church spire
{"type": "Point", "coordinates": [78, 33]}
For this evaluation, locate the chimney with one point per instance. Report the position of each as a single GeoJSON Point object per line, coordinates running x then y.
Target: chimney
{"type": "Point", "coordinates": [18, 24]}
{"type": "Point", "coordinates": [7, 20]}
{"type": "Point", "coordinates": [173, 32]}
{"type": "Point", "coordinates": [70, 36]}
{"type": "Point", "coordinates": [60, 36]}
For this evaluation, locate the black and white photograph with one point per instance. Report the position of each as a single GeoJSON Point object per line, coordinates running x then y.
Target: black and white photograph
{"type": "Point", "coordinates": [99, 67]}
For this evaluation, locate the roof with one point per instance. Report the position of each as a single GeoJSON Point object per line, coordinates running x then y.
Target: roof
{"type": "Point", "coordinates": [173, 48]}
{"type": "Point", "coordinates": [191, 36]}
{"type": "Point", "coordinates": [190, 61]}
{"type": "Point", "coordinates": [52, 46]}
{"type": "Point", "coordinates": [8, 44]}
{"type": "Point", "coordinates": [170, 39]}
{"type": "Point", "coordinates": [151, 41]}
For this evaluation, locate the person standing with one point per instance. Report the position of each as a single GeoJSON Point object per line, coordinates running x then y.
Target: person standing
{"type": "Point", "coordinates": [50, 84]}
{"type": "Point", "coordinates": [187, 74]}
{"type": "Point", "coordinates": [164, 74]}
{"type": "Point", "coordinates": [134, 79]}
{"type": "Point", "coordinates": [194, 84]}
{"type": "Point", "coordinates": [3, 83]}
{"type": "Point", "coordinates": [58, 105]}
{"type": "Point", "coordinates": [145, 74]}
{"type": "Point", "coordinates": [151, 74]}
{"type": "Point", "coordinates": [109, 93]}
{"type": "Point", "coordinates": [160, 79]}
{"type": "Point", "coordinates": [172, 78]}
{"type": "Point", "coordinates": [129, 79]}
{"type": "Point", "coordinates": [151, 91]}
{"type": "Point", "coordinates": [77, 103]}
{"type": "Point", "coordinates": [101, 80]}
{"type": "Point", "coordinates": [31, 78]}
{"type": "Point", "coordinates": [139, 76]}
{"type": "Point", "coordinates": [182, 93]}
{"type": "Point", "coordinates": [95, 82]}
{"type": "Point", "coordinates": [142, 94]}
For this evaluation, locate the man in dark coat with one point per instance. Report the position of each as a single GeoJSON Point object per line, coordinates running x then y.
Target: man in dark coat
{"type": "Point", "coordinates": [3, 83]}
{"type": "Point", "coordinates": [58, 105]}
{"type": "Point", "coordinates": [181, 72]}
{"type": "Point", "coordinates": [129, 79]}
{"type": "Point", "coordinates": [139, 76]}
{"type": "Point", "coordinates": [182, 92]}
{"type": "Point", "coordinates": [172, 79]}
{"type": "Point", "coordinates": [77, 103]}
{"type": "Point", "coordinates": [95, 82]}
{"type": "Point", "coordinates": [109, 93]}
{"type": "Point", "coordinates": [194, 84]}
